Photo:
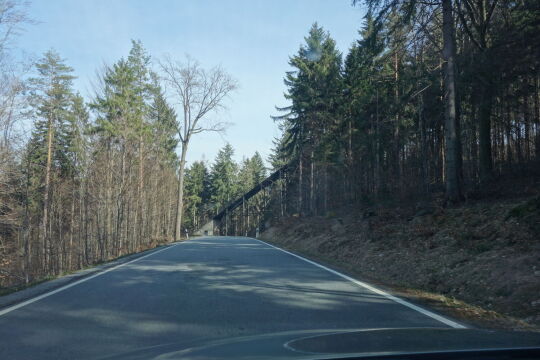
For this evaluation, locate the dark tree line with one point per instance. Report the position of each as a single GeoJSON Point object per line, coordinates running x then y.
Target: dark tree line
{"type": "Point", "coordinates": [433, 96]}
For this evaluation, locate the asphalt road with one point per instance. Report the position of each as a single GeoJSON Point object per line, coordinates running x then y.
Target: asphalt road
{"type": "Point", "coordinates": [202, 289]}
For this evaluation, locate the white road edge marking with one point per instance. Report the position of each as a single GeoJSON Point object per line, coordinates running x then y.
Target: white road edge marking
{"type": "Point", "coordinates": [377, 291]}
{"type": "Point", "coordinates": [43, 296]}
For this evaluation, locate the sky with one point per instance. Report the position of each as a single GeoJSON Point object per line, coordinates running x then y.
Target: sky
{"type": "Point", "coordinates": [251, 39]}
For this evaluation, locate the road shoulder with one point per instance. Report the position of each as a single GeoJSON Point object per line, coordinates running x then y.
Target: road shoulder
{"type": "Point", "coordinates": [44, 287]}
{"type": "Point", "coordinates": [467, 314]}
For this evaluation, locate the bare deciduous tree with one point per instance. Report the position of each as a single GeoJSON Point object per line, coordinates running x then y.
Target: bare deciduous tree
{"type": "Point", "coordinates": [12, 17]}
{"type": "Point", "coordinates": [198, 92]}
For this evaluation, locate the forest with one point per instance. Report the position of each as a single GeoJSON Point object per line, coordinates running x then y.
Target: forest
{"type": "Point", "coordinates": [434, 98]}
{"type": "Point", "coordinates": [83, 181]}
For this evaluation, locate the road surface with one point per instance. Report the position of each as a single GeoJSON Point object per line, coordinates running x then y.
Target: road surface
{"type": "Point", "coordinates": [203, 289]}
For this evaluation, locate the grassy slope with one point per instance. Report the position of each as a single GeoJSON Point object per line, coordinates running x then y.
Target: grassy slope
{"type": "Point", "coordinates": [479, 262]}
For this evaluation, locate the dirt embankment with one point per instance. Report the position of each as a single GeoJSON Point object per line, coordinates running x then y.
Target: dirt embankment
{"type": "Point", "coordinates": [479, 263]}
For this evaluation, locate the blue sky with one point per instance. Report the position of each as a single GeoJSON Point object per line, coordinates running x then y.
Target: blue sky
{"type": "Point", "coordinates": [251, 39]}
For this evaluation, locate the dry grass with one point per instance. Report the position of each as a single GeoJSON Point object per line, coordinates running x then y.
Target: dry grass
{"type": "Point", "coordinates": [479, 263]}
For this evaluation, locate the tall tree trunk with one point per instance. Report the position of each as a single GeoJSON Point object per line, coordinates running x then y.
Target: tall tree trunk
{"type": "Point", "coordinates": [141, 211]}
{"type": "Point", "coordinates": [226, 222]}
{"type": "Point", "coordinates": [347, 183]}
{"type": "Point", "coordinates": [452, 136]}
{"type": "Point", "coordinates": [325, 190]}
{"type": "Point", "coordinates": [378, 148]}
{"type": "Point", "coordinates": [82, 223]}
{"type": "Point", "coordinates": [27, 227]}
{"type": "Point", "coordinates": [312, 184]}
{"type": "Point", "coordinates": [508, 128]}
{"type": "Point", "coordinates": [423, 147]}
{"type": "Point", "coordinates": [71, 226]}
{"type": "Point", "coordinates": [300, 186]}
{"type": "Point", "coordinates": [526, 120]}
{"type": "Point", "coordinates": [244, 227]}
{"type": "Point", "coordinates": [180, 204]}
{"type": "Point", "coordinates": [537, 118]}
{"type": "Point", "coordinates": [484, 134]}
{"type": "Point", "coordinates": [473, 142]}
{"type": "Point", "coordinates": [85, 220]}
{"type": "Point", "coordinates": [397, 146]}
{"type": "Point", "coordinates": [45, 218]}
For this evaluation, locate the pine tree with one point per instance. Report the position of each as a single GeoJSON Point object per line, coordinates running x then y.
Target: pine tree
{"type": "Point", "coordinates": [163, 126]}
{"type": "Point", "coordinates": [314, 88]}
{"type": "Point", "coordinates": [251, 173]}
{"type": "Point", "coordinates": [258, 169]}
{"type": "Point", "coordinates": [47, 154]}
{"type": "Point", "coordinates": [77, 126]}
{"type": "Point", "coordinates": [197, 194]}
{"type": "Point", "coordinates": [364, 107]}
{"type": "Point", "coordinates": [223, 178]}
{"type": "Point", "coordinates": [119, 105]}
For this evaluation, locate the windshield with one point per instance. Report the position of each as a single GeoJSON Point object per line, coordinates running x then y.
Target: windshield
{"type": "Point", "coordinates": [249, 178]}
